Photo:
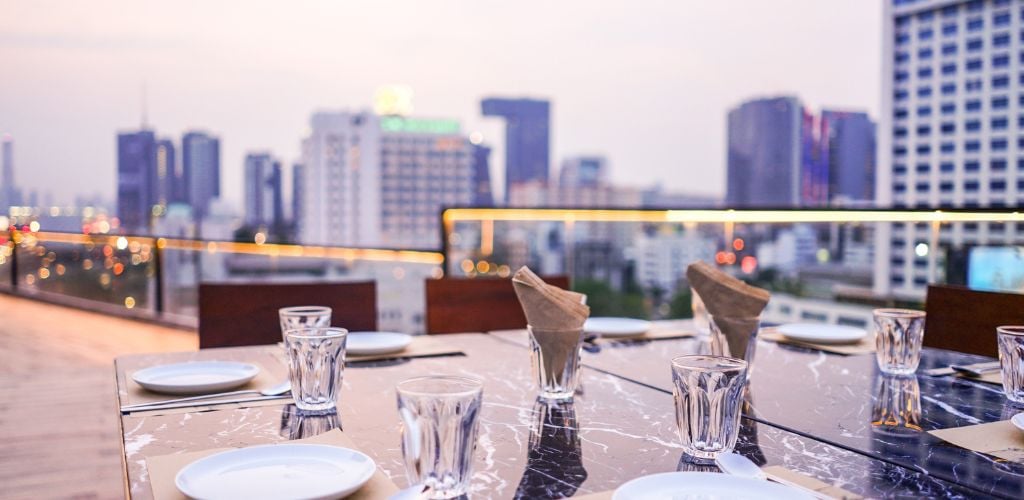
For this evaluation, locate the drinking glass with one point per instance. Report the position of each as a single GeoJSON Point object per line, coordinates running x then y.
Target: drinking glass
{"type": "Point", "coordinates": [1011, 361]}
{"type": "Point", "coordinates": [303, 317]}
{"type": "Point", "coordinates": [316, 364]}
{"type": "Point", "coordinates": [734, 337]}
{"type": "Point", "coordinates": [700, 313]}
{"type": "Point", "coordinates": [897, 407]}
{"type": "Point", "coordinates": [708, 393]}
{"type": "Point", "coordinates": [555, 358]}
{"type": "Point", "coordinates": [898, 336]}
{"type": "Point", "coordinates": [439, 414]}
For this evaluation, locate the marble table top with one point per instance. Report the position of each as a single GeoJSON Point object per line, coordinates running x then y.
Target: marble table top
{"type": "Point", "coordinates": [835, 399]}
{"type": "Point", "coordinates": [615, 430]}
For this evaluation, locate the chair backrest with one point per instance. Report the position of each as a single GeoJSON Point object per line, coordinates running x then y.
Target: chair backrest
{"type": "Point", "coordinates": [965, 320]}
{"type": "Point", "coordinates": [456, 305]}
{"type": "Point", "coordinates": [237, 314]}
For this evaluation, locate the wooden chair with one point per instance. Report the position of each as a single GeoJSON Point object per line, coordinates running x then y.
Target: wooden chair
{"type": "Point", "coordinates": [233, 314]}
{"type": "Point", "coordinates": [965, 320]}
{"type": "Point", "coordinates": [456, 305]}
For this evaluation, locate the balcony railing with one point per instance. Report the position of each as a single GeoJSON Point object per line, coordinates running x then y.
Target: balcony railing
{"type": "Point", "coordinates": [827, 265]}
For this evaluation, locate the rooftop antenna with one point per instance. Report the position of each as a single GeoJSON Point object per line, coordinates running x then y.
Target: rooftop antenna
{"type": "Point", "coordinates": [144, 111]}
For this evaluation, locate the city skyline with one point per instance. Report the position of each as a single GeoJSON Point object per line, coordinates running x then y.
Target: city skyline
{"type": "Point", "coordinates": [652, 100]}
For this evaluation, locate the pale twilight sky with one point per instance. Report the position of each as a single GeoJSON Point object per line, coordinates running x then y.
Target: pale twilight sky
{"type": "Point", "coordinates": [647, 83]}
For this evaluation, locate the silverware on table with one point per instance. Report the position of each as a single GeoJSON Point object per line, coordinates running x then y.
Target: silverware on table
{"type": "Point", "coordinates": [276, 390]}
{"type": "Point", "coordinates": [975, 371]}
{"type": "Point", "coordinates": [201, 404]}
{"type": "Point", "coordinates": [949, 370]}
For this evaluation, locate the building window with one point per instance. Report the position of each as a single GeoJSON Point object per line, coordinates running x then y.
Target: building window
{"type": "Point", "coordinates": [922, 168]}
{"type": "Point", "coordinates": [924, 111]}
{"type": "Point", "coordinates": [949, 49]}
{"type": "Point", "coordinates": [899, 168]}
{"type": "Point", "coordinates": [997, 165]}
{"type": "Point", "coordinates": [924, 92]}
{"type": "Point", "coordinates": [902, 38]}
{"type": "Point", "coordinates": [1001, 40]}
{"type": "Point", "coordinates": [972, 65]}
{"type": "Point", "coordinates": [972, 146]}
{"type": "Point", "coordinates": [997, 185]}
{"type": "Point", "coordinates": [949, 29]}
{"type": "Point", "coordinates": [1000, 61]}
{"type": "Point", "coordinates": [946, 166]}
{"type": "Point", "coordinates": [998, 144]}
{"type": "Point", "coordinates": [971, 186]}
{"type": "Point", "coordinates": [924, 34]}
{"type": "Point", "coordinates": [973, 24]}
{"type": "Point", "coordinates": [899, 187]}
{"type": "Point", "coordinates": [900, 94]}
{"type": "Point", "coordinates": [1000, 81]}
{"type": "Point", "coordinates": [972, 166]}
{"type": "Point", "coordinates": [924, 130]}
{"type": "Point", "coordinates": [946, 187]}
{"type": "Point", "coordinates": [948, 147]}
{"type": "Point", "coordinates": [973, 85]}
{"type": "Point", "coordinates": [899, 151]}
{"type": "Point", "coordinates": [948, 108]}
{"type": "Point", "coordinates": [949, 69]}
{"type": "Point", "coordinates": [973, 105]}
{"type": "Point", "coordinates": [924, 72]}
{"type": "Point", "coordinates": [901, 76]}
{"type": "Point", "coordinates": [948, 128]}
{"type": "Point", "coordinates": [999, 123]}
{"type": "Point", "coordinates": [975, 44]}
{"type": "Point", "coordinates": [899, 132]}
{"type": "Point", "coordinates": [901, 57]}
{"type": "Point", "coordinates": [972, 126]}
{"type": "Point", "coordinates": [1001, 19]}
{"type": "Point", "coordinates": [899, 113]}
{"type": "Point", "coordinates": [922, 187]}
{"type": "Point", "coordinates": [924, 53]}
{"type": "Point", "coordinates": [948, 88]}
{"type": "Point", "coordinates": [923, 149]}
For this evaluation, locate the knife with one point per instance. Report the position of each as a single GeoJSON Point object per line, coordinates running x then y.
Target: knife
{"type": "Point", "coordinates": [201, 404]}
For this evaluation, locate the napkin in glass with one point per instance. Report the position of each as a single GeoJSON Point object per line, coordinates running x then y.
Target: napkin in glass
{"type": "Point", "coordinates": [735, 306]}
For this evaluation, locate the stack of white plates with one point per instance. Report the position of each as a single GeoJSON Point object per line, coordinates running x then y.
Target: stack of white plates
{"type": "Point", "coordinates": [821, 333]}
{"type": "Point", "coordinates": [373, 343]}
{"type": "Point", "coordinates": [703, 485]}
{"type": "Point", "coordinates": [616, 327]}
{"type": "Point", "coordinates": [196, 377]}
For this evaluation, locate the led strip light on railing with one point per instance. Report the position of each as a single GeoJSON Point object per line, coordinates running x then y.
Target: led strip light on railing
{"type": "Point", "coordinates": [723, 216]}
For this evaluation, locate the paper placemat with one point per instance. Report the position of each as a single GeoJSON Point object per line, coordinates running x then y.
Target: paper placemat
{"type": "Point", "coordinates": [1000, 439]}
{"type": "Point", "coordinates": [163, 469]}
{"type": "Point", "coordinates": [271, 373]}
{"type": "Point", "coordinates": [604, 495]}
{"type": "Point", "coordinates": [815, 485]}
{"type": "Point", "coordinates": [421, 346]}
{"type": "Point", "coordinates": [653, 334]}
{"type": "Point", "coordinates": [865, 346]}
{"type": "Point", "coordinates": [990, 377]}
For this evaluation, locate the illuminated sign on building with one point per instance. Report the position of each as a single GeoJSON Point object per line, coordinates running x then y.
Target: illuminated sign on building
{"type": "Point", "coordinates": [416, 126]}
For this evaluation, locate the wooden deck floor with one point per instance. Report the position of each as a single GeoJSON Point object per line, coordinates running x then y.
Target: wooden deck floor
{"type": "Point", "coordinates": [58, 423]}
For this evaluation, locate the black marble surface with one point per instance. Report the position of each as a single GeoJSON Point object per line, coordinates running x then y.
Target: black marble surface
{"type": "Point", "coordinates": [614, 431]}
{"type": "Point", "coordinates": [835, 399]}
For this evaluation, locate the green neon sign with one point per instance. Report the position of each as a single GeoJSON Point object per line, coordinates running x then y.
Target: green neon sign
{"type": "Point", "coordinates": [417, 126]}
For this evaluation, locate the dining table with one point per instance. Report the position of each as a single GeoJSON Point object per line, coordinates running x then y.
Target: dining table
{"type": "Point", "coordinates": [806, 412]}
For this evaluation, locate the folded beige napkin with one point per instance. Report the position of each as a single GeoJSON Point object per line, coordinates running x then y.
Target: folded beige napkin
{"type": "Point", "coordinates": [864, 346]}
{"type": "Point", "coordinates": [735, 305]}
{"type": "Point", "coordinates": [163, 469]}
{"type": "Point", "coordinates": [1000, 439]}
{"type": "Point", "coordinates": [548, 307]}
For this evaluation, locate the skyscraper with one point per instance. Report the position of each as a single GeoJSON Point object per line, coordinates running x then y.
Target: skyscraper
{"type": "Point", "coordinates": [483, 195]}
{"type": "Point", "coordinates": [851, 155]}
{"type": "Point", "coordinates": [200, 171]}
{"type": "Point", "coordinates": [264, 206]}
{"type": "Point", "coordinates": [764, 153]}
{"type": "Point", "coordinates": [137, 190]}
{"type": "Point", "coordinates": [583, 171]}
{"type": "Point", "coordinates": [166, 168]}
{"type": "Point", "coordinates": [298, 189]}
{"type": "Point", "coordinates": [950, 131]}
{"type": "Point", "coordinates": [527, 138]}
{"type": "Point", "coordinates": [9, 193]}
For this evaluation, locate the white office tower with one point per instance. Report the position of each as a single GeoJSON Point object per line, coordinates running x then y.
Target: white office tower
{"type": "Point", "coordinates": [341, 202]}
{"type": "Point", "coordinates": [950, 137]}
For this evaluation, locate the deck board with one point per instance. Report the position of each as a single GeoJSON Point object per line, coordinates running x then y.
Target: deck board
{"type": "Point", "coordinates": [58, 418]}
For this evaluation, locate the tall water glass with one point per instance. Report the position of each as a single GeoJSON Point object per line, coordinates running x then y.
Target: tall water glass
{"type": "Point", "coordinates": [1011, 360]}
{"type": "Point", "coordinates": [898, 336]}
{"type": "Point", "coordinates": [303, 317]}
{"type": "Point", "coordinates": [708, 392]}
{"type": "Point", "coordinates": [316, 364]}
{"type": "Point", "coordinates": [700, 313]}
{"type": "Point", "coordinates": [439, 414]}
{"type": "Point", "coordinates": [734, 336]}
{"type": "Point", "coordinates": [555, 359]}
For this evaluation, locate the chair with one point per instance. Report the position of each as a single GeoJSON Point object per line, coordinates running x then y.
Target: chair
{"type": "Point", "coordinates": [234, 314]}
{"type": "Point", "coordinates": [456, 305]}
{"type": "Point", "coordinates": [965, 320]}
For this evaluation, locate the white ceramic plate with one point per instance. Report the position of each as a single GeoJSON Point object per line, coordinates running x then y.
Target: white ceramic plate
{"type": "Point", "coordinates": [1018, 420]}
{"type": "Point", "coordinates": [278, 471]}
{"type": "Point", "coordinates": [703, 485]}
{"type": "Point", "coordinates": [196, 377]}
{"type": "Point", "coordinates": [821, 333]}
{"type": "Point", "coordinates": [367, 343]}
{"type": "Point", "coordinates": [616, 327]}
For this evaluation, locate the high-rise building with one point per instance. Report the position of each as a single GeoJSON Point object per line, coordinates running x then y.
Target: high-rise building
{"type": "Point", "coordinates": [10, 195]}
{"type": "Point", "coordinates": [382, 180]}
{"type": "Point", "coordinates": [764, 153]}
{"type": "Point", "coordinates": [298, 189]}
{"type": "Point", "coordinates": [264, 206]}
{"type": "Point", "coordinates": [583, 172]}
{"type": "Point", "coordinates": [950, 131]}
{"type": "Point", "coordinates": [200, 155]}
{"type": "Point", "coordinates": [483, 195]}
{"type": "Point", "coordinates": [851, 155]}
{"type": "Point", "coordinates": [527, 138]}
{"type": "Point", "coordinates": [814, 155]}
{"type": "Point", "coordinates": [166, 178]}
{"type": "Point", "coordinates": [137, 189]}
